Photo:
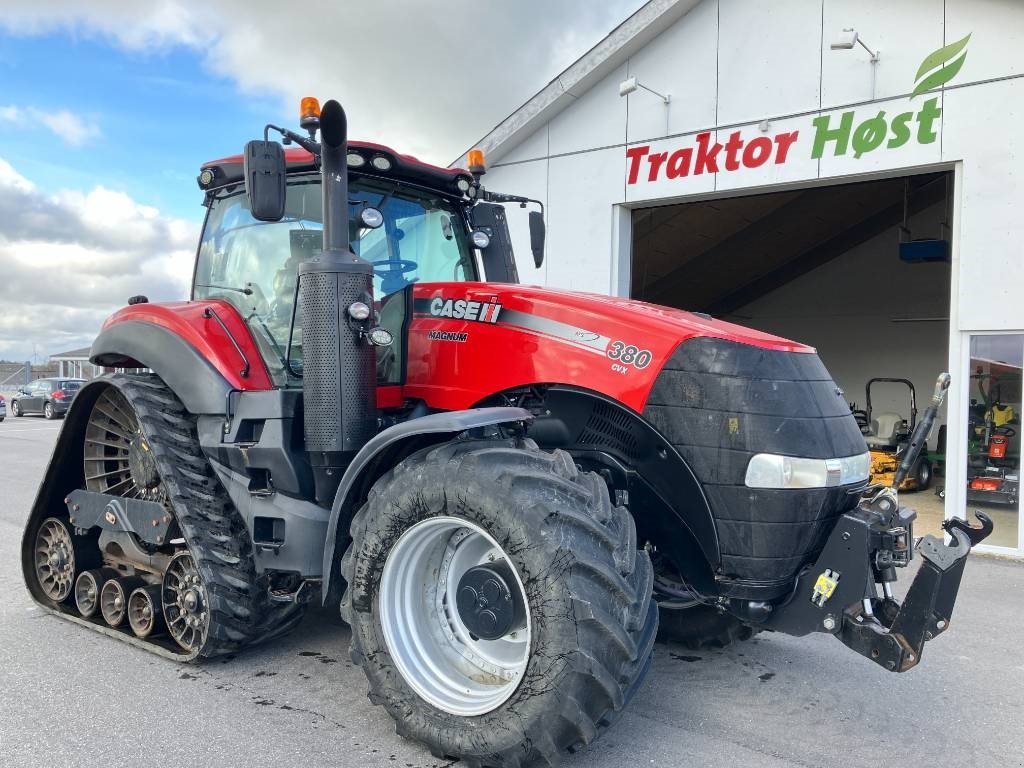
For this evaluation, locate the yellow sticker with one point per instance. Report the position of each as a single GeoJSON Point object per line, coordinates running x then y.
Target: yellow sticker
{"type": "Point", "coordinates": [734, 425]}
{"type": "Point", "coordinates": [825, 586]}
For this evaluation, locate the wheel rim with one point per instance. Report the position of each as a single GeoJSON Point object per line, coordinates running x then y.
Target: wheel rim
{"type": "Point", "coordinates": [48, 410]}
{"type": "Point", "coordinates": [426, 636]}
{"type": "Point", "coordinates": [87, 593]}
{"type": "Point", "coordinates": [113, 603]}
{"type": "Point", "coordinates": [142, 611]}
{"type": "Point", "coordinates": [55, 560]}
{"type": "Point", "coordinates": [185, 602]}
{"type": "Point", "coordinates": [118, 459]}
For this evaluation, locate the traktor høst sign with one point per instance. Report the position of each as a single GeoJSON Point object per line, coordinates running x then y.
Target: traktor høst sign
{"type": "Point", "coordinates": [835, 134]}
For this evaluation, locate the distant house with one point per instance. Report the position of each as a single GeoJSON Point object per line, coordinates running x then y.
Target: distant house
{"type": "Point", "coordinates": [75, 364]}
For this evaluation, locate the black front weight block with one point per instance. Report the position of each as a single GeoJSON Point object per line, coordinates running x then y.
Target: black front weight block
{"type": "Point", "coordinates": [889, 633]}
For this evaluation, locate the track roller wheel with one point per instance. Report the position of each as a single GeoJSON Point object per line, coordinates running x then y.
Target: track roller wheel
{"type": "Point", "coordinates": [185, 602]}
{"type": "Point", "coordinates": [114, 599]}
{"type": "Point", "coordinates": [88, 586]}
{"type": "Point", "coordinates": [140, 442]}
{"type": "Point", "coordinates": [145, 616]}
{"type": "Point", "coordinates": [55, 559]}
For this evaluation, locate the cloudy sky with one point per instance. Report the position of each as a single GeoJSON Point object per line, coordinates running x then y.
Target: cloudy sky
{"type": "Point", "coordinates": [108, 107]}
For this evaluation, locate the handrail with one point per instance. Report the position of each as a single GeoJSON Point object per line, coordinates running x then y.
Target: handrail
{"type": "Point", "coordinates": [210, 312]}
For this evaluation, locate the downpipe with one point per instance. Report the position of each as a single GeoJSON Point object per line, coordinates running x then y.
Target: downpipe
{"type": "Point", "coordinates": [336, 301]}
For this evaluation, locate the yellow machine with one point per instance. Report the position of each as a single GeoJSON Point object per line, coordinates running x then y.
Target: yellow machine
{"type": "Point", "coordinates": [888, 435]}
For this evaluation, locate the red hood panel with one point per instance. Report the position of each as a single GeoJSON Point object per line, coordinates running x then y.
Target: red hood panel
{"type": "Point", "coordinates": [470, 340]}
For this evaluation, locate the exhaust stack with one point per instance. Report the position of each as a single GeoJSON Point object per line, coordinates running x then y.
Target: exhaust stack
{"type": "Point", "coordinates": [335, 292]}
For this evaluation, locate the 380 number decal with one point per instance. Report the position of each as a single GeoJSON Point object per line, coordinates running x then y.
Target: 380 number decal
{"type": "Point", "coordinates": [627, 354]}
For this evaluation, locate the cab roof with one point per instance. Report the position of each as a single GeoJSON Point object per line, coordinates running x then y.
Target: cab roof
{"type": "Point", "coordinates": [407, 167]}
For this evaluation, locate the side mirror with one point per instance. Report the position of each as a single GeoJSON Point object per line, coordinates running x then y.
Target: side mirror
{"type": "Point", "coordinates": [265, 176]}
{"type": "Point", "coordinates": [537, 232]}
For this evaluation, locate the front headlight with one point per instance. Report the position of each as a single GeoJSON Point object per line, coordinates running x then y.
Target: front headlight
{"type": "Point", "coordinates": [768, 470]}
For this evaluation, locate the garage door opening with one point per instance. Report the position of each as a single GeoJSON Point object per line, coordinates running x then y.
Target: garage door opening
{"type": "Point", "coordinates": [860, 271]}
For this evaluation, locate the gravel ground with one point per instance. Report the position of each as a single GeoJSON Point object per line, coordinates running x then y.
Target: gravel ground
{"type": "Point", "coordinates": [72, 697]}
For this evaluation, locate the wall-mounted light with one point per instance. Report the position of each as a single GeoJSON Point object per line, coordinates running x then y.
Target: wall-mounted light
{"type": "Point", "coordinates": [630, 84]}
{"type": "Point", "coordinates": [847, 41]}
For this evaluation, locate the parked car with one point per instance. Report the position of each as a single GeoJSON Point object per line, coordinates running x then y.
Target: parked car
{"type": "Point", "coordinates": [3, 408]}
{"type": "Point", "coordinates": [50, 397]}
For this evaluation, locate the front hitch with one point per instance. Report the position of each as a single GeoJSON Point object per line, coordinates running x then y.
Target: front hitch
{"type": "Point", "coordinates": [895, 635]}
{"type": "Point", "coordinates": [840, 593]}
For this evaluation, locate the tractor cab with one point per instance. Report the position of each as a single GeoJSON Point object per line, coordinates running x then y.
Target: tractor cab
{"type": "Point", "coordinates": [413, 222]}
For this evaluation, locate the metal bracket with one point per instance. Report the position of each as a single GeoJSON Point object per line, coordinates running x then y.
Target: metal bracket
{"type": "Point", "coordinates": [974, 533]}
{"type": "Point", "coordinates": [149, 520]}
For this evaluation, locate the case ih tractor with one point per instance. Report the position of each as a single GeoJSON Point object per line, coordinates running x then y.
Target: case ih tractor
{"type": "Point", "coordinates": [501, 486]}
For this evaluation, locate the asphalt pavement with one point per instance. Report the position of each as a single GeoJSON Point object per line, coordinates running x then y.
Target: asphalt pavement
{"type": "Point", "coordinates": [71, 697]}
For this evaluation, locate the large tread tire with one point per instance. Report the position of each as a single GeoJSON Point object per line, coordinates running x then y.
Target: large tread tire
{"type": "Point", "coordinates": [702, 627]}
{"type": "Point", "coordinates": [241, 612]}
{"type": "Point", "coordinates": [588, 590]}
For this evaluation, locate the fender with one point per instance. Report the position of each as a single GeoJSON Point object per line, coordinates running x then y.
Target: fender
{"type": "Point", "coordinates": [666, 500]}
{"type": "Point", "coordinates": [383, 452]}
{"type": "Point", "coordinates": [200, 357]}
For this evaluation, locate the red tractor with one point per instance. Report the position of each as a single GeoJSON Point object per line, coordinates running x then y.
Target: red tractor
{"type": "Point", "coordinates": [501, 486]}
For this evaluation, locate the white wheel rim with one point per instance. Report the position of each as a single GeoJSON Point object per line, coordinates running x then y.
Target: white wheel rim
{"type": "Point", "coordinates": [425, 636]}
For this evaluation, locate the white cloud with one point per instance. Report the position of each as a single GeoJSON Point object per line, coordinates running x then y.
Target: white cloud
{"type": "Point", "coordinates": [72, 258]}
{"type": "Point", "coordinates": [428, 78]}
{"type": "Point", "coordinates": [71, 128]}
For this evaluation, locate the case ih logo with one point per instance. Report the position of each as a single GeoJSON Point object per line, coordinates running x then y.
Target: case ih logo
{"type": "Point", "coordinates": [462, 309]}
{"type": "Point", "coordinates": [831, 132]}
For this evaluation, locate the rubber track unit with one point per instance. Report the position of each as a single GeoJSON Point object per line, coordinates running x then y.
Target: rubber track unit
{"type": "Point", "coordinates": [702, 627]}
{"type": "Point", "coordinates": [588, 589]}
{"type": "Point", "coordinates": [241, 612]}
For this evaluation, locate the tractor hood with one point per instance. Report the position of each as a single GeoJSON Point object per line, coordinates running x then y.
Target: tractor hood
{"type": "Point", "coordinates": [468, 341]}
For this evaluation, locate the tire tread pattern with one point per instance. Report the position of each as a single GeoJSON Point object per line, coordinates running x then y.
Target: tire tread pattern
{"type": "Point", "coordinates": [591, 545]}
{"type": "Point", "coordinates": [241, 612]}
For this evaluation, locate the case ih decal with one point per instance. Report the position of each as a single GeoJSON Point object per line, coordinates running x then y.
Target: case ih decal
{"type": "Point", "coordinates": [461, 309]}
{"type": "Point", "coordinates": [837, 133]}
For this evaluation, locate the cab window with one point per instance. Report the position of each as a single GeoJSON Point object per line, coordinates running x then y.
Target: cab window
{"type": "Point", "coordinates": [254, 264]}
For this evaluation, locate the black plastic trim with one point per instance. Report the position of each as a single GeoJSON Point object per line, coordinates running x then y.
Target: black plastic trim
{"type": "Point", "coordinates": [664, 491]}
{"type": "Point", "coordinates": [383, 452]}
{"type": "Point", "coordinates": [719, 402]}
{"type": "Point", "coordinates": [198, 384]}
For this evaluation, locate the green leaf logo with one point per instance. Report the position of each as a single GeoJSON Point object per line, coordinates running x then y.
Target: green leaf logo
{"type": "Point", "coordinates": [948, 60]}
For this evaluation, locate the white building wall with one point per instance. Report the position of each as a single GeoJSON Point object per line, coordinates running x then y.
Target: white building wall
{"type": "Point", "coordinates": [729, 64]}
{"type": "Point", "coordinates": [765, 69]}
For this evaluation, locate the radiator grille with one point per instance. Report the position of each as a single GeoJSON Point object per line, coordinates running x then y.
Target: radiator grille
{"type": "Point", "coordinates": [609, 428]}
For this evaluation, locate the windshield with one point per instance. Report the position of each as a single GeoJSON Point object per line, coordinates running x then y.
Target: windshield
{"type": "Point", "coordinates": [254, 264]}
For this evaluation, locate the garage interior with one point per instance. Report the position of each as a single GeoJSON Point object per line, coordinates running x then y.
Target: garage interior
{"type": "Point", "coordinates": [825, 266]}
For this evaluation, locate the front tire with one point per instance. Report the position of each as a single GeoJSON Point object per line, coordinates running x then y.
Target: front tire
{"type": "Point", "coordinates": [587, 616]}
{"type": "Point", "coordinates": [15, 409]}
